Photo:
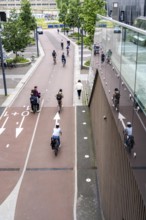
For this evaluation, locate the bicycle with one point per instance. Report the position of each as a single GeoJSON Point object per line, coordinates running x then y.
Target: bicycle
{"type": "Point", "coordinates": [55, 145]}
{"type": "Point", "coordinates": [63, 62]}
{"type": "Point", "coordinates": [54, 59]}
{"type": "Point", "coordinates": [62, 46]}
{"type": "Point", "coordinates": [67, 51]}
{"type": "Point", "coordinates": [59, 106]}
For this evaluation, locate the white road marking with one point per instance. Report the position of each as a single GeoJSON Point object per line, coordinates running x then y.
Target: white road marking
{"type": "Point", "coordinates": [56, 118]}
{"type": "Point", "coordinates": [15, 113]}
{"type": "Point", "coordinates": [20, 129]}
{"type": "Point", "coordinates": [2, 128]}
{"type": "Point", "coordinates": [88, 180]}
{"type": "Point", "coordinates": [75, 169]}
{"type": "Point", "coordinates": [7, 208]}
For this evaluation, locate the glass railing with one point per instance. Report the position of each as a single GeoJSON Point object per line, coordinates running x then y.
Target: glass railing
{"type": "Point", "coordinates": [127, 45]}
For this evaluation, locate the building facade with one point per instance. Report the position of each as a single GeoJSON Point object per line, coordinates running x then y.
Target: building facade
{"type": "Point", "coordinates": [127, 10]}
{"type": "Point", "coordinates": [122, 175]}
{"type": "Point", "coordinates": [38, 6]}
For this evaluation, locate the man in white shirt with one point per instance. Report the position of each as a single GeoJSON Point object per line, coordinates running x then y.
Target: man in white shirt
{"type": "Point", "coordinates": [79, 88]}
{"type": "Point", "coordinates": [57, 132]}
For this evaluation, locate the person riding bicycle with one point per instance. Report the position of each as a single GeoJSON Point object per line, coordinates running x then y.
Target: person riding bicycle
{"type": "Point", "coordinates": [67, 50]}
{"type": "Point", "coordinates": [63, 58]}
{"type": "Point", "coordinates": [56, 133]}
{"type": "Point", "coordinates": [54, 55]}
{"type": "Point", "coordinates": [116, 97]}
{"type": "Point", "coordinates": [128, 136]}
{"type": "Point", "coordinates": [38, 95]}
{"type": "Point", "coordinates": [62, 44]}
{"type": "Point", "coordinates": [59, 97]}
{"type": "Point", "coordinates": [33, 101]}
{"type": "Point", "coordinates": [68, 43]}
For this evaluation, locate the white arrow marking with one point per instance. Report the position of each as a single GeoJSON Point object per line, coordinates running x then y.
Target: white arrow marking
{"type": "Point", "coordinates": [6, 114]}
{"type": "Point", "coordinates": [2, 128]}
{"type": "Point", "coordinates": [19, 129]}
{"type": "Point", "coordinates": [121, 118]}
{"type": "Point", "coordinates": [57, 117]}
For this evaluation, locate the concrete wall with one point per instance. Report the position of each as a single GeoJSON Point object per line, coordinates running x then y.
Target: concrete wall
{"type": "Point", "coordinates": [120, 196]}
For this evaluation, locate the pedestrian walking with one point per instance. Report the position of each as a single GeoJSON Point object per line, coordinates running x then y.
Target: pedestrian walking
{"type": "Point", "coordinates": [79, 88]}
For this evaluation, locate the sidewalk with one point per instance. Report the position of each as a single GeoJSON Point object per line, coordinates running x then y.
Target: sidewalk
{"type": "Point", "coordinates": [16, 77]}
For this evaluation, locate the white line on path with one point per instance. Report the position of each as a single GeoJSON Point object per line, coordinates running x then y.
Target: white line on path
{"type": "Point", "coordinates": [7, 208]}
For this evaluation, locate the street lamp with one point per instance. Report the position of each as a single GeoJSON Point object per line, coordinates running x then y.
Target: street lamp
{"type": "Point", "coordinates": [82, 46]}
{"type": "Point", "coordinates": [3, 68]}
{"type": "Point", "coordinates": [37, 43]}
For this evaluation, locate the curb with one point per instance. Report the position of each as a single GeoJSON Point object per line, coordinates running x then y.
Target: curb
{"type": "Point", "coordinates": [21, 84]}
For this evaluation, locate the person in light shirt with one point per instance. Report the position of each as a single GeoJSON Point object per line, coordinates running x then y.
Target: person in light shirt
{"type": "Point", "coordinates": [79, 88]}
{"type": "Point", "coordinates": [57, 132]}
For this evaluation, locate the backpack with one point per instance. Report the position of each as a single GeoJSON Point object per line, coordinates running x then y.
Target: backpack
{"type": "Point", "coordinates": [53, 54]}
{"type": "Point", "coordinates": [117, 96]}
{"type": "Point", "coordinates": [33, 100]}
{"type": "Point", "coordinates": [58, 96]}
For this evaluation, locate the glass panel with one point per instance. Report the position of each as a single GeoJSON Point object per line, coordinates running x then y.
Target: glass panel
{"type": "Point", "coordinates": [140, 90]}
{"type": "Point", "coordinates": [129, 51]}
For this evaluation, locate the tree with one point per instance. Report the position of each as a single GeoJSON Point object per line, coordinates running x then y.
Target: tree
{"type": "Point", "coordinates": [15, 36]}
{"type": "Point", "coordinates": [90, 9]}
{"type": "Point", "coordinates": [63, 13]}
{"type": "Point", "coordinates": [26, 15]}
{"type": "Point", "coordinates": [72, 17]}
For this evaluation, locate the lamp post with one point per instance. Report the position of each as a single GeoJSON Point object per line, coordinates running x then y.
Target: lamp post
{"type": "Point", "coordinates": [3, 68]}
{"type": "Point", "coordinates": [82, 46]}
{"type": "Point", "coordinates": [37, 43]}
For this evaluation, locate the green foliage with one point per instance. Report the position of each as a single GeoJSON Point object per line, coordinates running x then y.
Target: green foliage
{"type": "Point", "coordinates": [17, 59]}
{"type": "Point", "coordinates": [75, 34]}
{"type": "Point", "coordinates": [90, 9]}
{"type": "Point", "coordinates": [87, 63]}
{"type": "Point", "coordinates": [15, 36]}
{"type": "Point", "coordinates": [65, 29]}
{"type": "Point", "coordinates": [60, 3]}
{"type": "Point", "coordinates": [77, 14]}
{"type": "Point", "coordinates": [63, 13]}
{"type": "Point", "coordinates": [26, 15]}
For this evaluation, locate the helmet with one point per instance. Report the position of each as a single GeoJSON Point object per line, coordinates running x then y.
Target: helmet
{"type": "Point", "coordinates": [128, 123]}
{"type": "Point", "coordinates": [60, 90]}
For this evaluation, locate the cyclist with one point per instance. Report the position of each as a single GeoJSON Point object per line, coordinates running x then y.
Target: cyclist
{"type": "Point", "coordinates": [59, 98]}
{"type": "Point", "coordinates": [63, 58]}
{"type": "Point", "coordinates": [67, 50]}
{"type": "Point", "coordinates": [68, 42]}
{"type": "Point", "coordinates": [54, 55]}
{"type": "Point", "coordinates": [128, 136]}
{"type": "Point", "coordinates": [62, 44]}
{"type": "Point", "coordinates": [33, 101]}
{"type": "Point", "coordinates": [116, 98]}
{"type": "Point", "coordinates": [56, 133]}
{"type": "Point", "coordinates": [38, 95]}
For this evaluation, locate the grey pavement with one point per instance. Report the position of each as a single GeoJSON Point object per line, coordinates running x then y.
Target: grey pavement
{"type": "Point", "coordinates": [88, 203]}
